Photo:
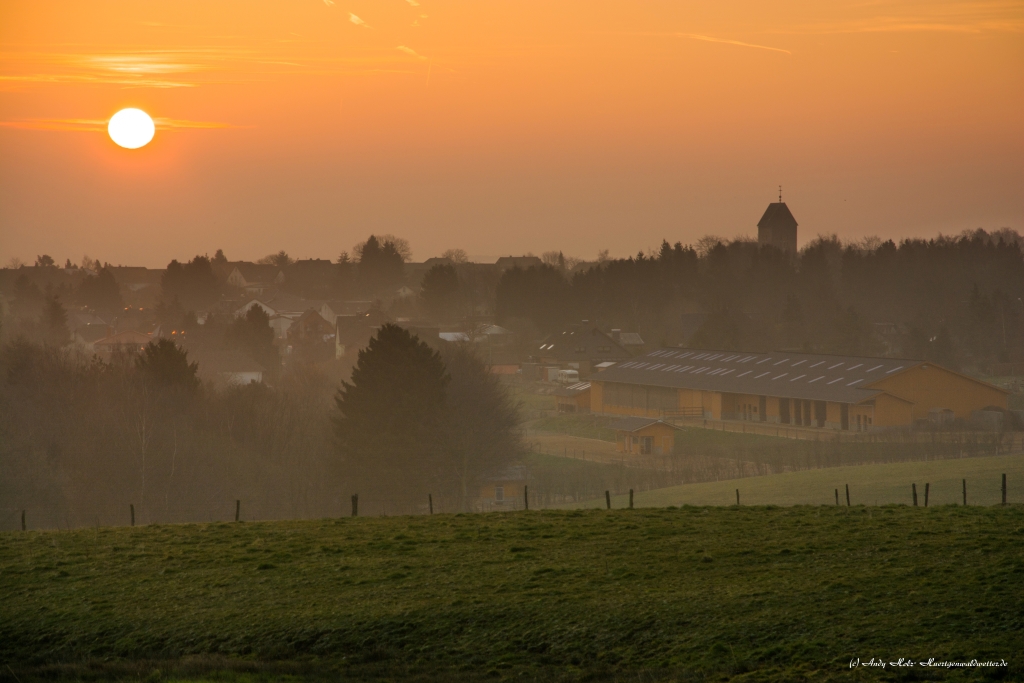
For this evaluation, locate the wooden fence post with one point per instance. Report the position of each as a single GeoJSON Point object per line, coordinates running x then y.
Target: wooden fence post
{"type": "Point", "coordinates": [608, 499]}
{"type": "Point", "coordinates": [965, 493]}
{"type": "Point", "coordinates": [926, 487]}
{"type": "Point", "coordinates": [22, 520]}
{"type": "Point", "coordinates": [355, 504]}
{"type": "Point", "coordinates": [1004, 488]}
{"type": "Point", "coordinates": [913, 489]}
{"type": "Point", "coordinates": [131, 506]}
{"type": "Point", "coordinates": [847, 495]}
{"type": "Point", "coordinates": [837, 497]}
{"type": "Point", "coordinates": [238, 509]}
{"type": "Point", "coordinates": [737, 496]}
{"type": "Point", "coordinates": [430, 501]}
{"type": "Point", "coordinates": [526, 497]}
{"type": "Point", "coordinates": [631, 499]}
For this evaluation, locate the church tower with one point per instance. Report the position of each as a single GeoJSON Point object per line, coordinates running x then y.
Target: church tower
{"type": "Point", "coordinates": [777, 227]}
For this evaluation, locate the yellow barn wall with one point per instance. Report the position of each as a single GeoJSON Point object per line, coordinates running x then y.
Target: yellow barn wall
{"type": "Point", "coordinates": [772, 409]}
{"type": "Point", "coordinates": [892, 412]}
{"type": "Point", "coordinates": [598, 405]}
{"type": "Point", "coordinates": [930, 386]}
{"type": "Point", "coordinates": [690, 398]}
{"type": "Point", "coordinates": [834, 413]}
{"type": "Point", "coordinates": [711, 401]}
{"type": "Point", "coordinates": [596, 396]}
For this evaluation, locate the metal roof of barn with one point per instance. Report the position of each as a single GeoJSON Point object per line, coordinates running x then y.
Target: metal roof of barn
{"type": "Point", "coordinates": [573, 389]}
{"type": "Point", "coordinates": [634, 424]}
{"type": "Point", "coordinates": [815, 377]}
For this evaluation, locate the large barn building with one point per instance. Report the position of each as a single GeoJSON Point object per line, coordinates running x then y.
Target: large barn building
{"type": "Point", "coordinates": [807, 390]}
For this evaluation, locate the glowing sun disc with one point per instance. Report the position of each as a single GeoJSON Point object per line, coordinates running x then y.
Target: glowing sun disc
{"type": "Point", "coordinates": [131, 128]}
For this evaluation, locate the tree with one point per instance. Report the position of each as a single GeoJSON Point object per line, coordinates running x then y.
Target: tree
{"type": "Point", "coordinates": [380, 264]}
{"type": "Point", "coordinates": [219, 259]}
{"type": "Point", "coordinates": [166, 364]}
{"type": "Point", "coordinates": [100, 292]}
{"type": "Point", "coordinates": [400, 244]}
{"type": "Point", "coordinates": [54, 323]}
{"type": "Point", "coordinates": [440, 291]}
{"type": "Point", "coordinates": [482, 425]}
{"type": "Point", "coordinates": [44, 261]}
{"type": "Point", "coordinates": [281, 259]}
{"type": "Point", "coordinates": [539, 293]}
{"type": "Point", "coordinates": [456, 256]}
{"type": "Point", "coordinates": [253, 334]}
{"type": "Point", "coordinates": [194, 283]}
{"type": "Point", "coordinates": [389, 422]}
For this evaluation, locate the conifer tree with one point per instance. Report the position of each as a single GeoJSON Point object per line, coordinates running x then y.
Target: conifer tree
{"type": "Point", "coordinates": [390, 420]}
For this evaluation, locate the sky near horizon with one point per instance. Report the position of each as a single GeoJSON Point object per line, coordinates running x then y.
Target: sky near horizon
{"type": "Point", "coordinates": [501, 127]}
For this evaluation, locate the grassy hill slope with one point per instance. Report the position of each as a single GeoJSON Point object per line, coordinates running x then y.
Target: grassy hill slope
{"type": "Point", "coordinates": [885, 484]}
{"type": "Point", "coordinates": [758, 594]}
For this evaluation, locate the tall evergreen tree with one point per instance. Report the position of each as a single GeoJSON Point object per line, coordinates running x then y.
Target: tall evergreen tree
{"type": "Point", "coordinates": [54, 323]}
{"type": "Point", "coordinates": [390, 421]}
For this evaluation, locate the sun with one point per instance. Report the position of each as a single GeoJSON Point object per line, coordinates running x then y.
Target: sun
{"type": "Point", "coordinates": [131, 128]}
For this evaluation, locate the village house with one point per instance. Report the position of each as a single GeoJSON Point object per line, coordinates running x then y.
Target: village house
{"type": "Point", "coordinates": [254, 278]}
{"type": "Point", "coordinates": [130, 341]}
{"type": "Point", "coordinates": [643, 436]}
{"type": "Point", "coordinates": [848, 393]}
{"type": "Point", "coordinates": [502, 490]}
{"type": "Point", "coordinates": [580, 349]}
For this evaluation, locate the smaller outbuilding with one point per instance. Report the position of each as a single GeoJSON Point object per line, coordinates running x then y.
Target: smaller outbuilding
{"type": "Point", "coordinates": [644, 436]}
{"type": "Point", "coordinates": [574, 398]}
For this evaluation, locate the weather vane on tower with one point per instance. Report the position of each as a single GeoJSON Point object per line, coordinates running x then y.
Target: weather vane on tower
{"type": "Point", "coordinates": [780, 194]}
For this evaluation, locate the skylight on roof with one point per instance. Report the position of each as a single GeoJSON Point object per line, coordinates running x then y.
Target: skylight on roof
{"type": "Point", "coordinates": [797, 377]}
{"type": "Point", "coordinates": [873, 369]}
{"type": "Point", "coordinates": [816, 379]}
{"type": "Point", "coordinates": [781, 361]}
{"type": "Point", "coordinates": [762, 375]}
{"type": "Point", "coordinates": [837, 380]}
{"type": "Point", "coordinates": [833, 367]}
{"type": "Point", "coordinates": [894, 370]}
{"type": "Point", "coordinates": [779, 376]}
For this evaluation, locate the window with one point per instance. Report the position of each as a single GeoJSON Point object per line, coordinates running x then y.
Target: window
{"type": "Point", "coordinates": [646, 445]}
{"type": "Point", "coordinates": [499, 494]}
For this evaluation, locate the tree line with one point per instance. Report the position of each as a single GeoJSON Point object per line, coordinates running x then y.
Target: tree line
{"type": "Point", "coordinates": [955, 300]}
{"type": "Point", "coordinates": [81, 439]}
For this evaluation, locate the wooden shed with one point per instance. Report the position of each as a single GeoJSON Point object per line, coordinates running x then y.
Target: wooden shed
{"type": "Point", "coordinates": [643, 436]}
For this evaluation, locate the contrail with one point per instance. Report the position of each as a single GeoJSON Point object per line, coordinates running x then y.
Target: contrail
{"type": "Point", "coordinates": [709, 39]}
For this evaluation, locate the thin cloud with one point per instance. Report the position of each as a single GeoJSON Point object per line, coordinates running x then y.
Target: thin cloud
{"type": "Point", "coordinates": [329, 3]}
{"type": "Point", "coordinates": [726, 41]}
{"type": "Point", "coordinates": [409, 51]}
{"type": "Point", "coordinates": [413, 3]}
{"type": "Point", "coordinates": [99, 125]}
{"type": "Point", "coordinates": [357, 21]}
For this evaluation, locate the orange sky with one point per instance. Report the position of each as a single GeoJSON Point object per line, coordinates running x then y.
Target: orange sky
{"type": "Point", "coordinates": [501, 127]}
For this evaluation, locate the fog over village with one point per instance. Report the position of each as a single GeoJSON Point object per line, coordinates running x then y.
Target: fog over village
{"type": "Point", "coordinates": [426, 340]}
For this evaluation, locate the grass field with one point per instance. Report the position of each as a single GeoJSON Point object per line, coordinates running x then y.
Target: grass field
{"type": "Point", "coordinates": [885, 484]}
{"type": "Point", "coordinates": [694, 594]}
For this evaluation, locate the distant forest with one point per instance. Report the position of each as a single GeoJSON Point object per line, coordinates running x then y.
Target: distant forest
{"type": "Point", "coordinates": [958, 301]}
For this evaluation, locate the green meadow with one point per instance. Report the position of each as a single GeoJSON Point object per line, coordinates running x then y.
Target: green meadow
{"type": "Point", "coordinates": [674, 594]}
{"type": "Point", "coordinates": [883, 484]}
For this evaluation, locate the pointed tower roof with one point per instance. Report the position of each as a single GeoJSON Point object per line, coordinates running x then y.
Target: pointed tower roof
{"type": "Point", "coordinates": [777, 214]}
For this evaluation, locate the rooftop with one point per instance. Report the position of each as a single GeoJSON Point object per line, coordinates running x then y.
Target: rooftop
{"type": "Point", "coordinates": [818, 377]}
